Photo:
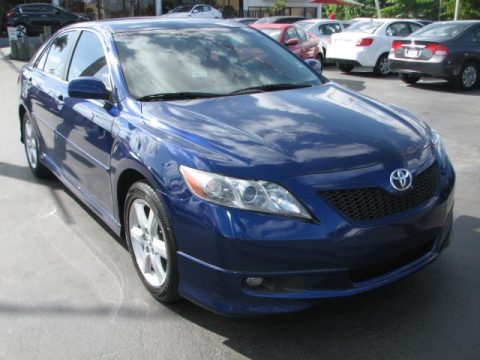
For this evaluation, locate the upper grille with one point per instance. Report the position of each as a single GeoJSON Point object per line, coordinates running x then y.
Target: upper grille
{"type": "Point", "coordinates": [373, 203]}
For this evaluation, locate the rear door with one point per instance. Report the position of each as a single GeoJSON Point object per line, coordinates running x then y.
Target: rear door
{"type": "Point", "coordinates": [86, 125]}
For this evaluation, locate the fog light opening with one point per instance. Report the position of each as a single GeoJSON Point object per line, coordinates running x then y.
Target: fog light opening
{"type": "Point", "coordinates": [254, 281]}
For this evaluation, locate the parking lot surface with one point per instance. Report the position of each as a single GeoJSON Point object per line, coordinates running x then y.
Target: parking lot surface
{"type": "Point", "coordinates": [69, 290]}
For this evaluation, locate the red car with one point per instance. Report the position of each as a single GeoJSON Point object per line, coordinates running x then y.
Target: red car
{"type": "Point", "coordinates": [302, 44]}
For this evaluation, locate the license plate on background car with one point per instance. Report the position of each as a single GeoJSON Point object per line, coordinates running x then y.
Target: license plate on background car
{"type": "Point", "coordinates": [411, 53]}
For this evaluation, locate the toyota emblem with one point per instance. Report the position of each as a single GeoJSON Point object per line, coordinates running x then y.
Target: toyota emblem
{"type": "Point", "coordinates": [401, 179]}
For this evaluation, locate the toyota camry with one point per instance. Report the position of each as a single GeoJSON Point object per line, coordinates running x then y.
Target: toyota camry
{"type": "Point", "coordinates": [240, 177]}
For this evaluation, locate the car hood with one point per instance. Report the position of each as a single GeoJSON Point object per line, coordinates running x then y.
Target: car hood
{"type": "Point", "coordinates": [288, 133]}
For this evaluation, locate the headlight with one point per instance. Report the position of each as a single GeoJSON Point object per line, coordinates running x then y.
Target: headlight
{"type": "Point", "coordinates": [260, 196]}
{"type": "Point", "coordinates": [439, 146]}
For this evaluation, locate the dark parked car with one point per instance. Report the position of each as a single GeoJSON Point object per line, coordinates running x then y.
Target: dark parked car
{"type": "Point", "coordinates": [448, 50]}
{"type": "Point", "coordinates": [242, 179]}
{"type": "Point", "coordinates": [279, 20]}
{"type": "Point", "coordinates": [246, 21]}
{"type": "Point", "coordinates": [29, 19]}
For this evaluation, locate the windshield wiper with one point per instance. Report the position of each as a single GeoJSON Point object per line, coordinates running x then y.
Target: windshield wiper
{"type": "Point", "coordinates": [178, 96]}
{"type": "Point", "coordinates": [269, 87]}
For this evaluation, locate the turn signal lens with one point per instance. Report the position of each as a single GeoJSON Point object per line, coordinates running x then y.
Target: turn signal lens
{"type": "Point", "coordinates": [437, 49]}
{"type": "Point", "coordinates": [396, 45]}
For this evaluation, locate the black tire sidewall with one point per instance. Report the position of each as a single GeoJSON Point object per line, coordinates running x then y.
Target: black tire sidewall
{"type": "Point", "coordinates": [168, 291]}
{"type": "Point", "coordinates": [409, 78]}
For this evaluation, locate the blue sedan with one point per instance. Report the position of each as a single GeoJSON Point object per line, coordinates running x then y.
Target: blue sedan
{"type": "Point", "coordinates": [240, 177]}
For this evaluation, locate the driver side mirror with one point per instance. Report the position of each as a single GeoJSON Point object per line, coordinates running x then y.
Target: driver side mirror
{"type": "Point", "coordinates": [88, 88]}
{"type": "Point", "coordinates": [315, 65]}
{"type": "Point", "coordinates": [290, 42]}
{"type": "Point", "coordinates": [194, 11]}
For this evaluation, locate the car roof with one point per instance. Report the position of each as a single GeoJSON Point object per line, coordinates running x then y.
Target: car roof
{"type": "Point", "coordinates": [138, 24]}
{"type": "Point", "coordinates": [34, 4]}
{"type": "Point", "coordinates": [271, 26]}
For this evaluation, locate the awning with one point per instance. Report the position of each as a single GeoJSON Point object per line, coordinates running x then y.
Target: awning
{"type": "Point", "coordinates": [337, 2]}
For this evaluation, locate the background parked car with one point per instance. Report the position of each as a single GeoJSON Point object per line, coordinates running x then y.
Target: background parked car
{"type": "Point", "coordinates": [323, 30]}
{"type": "Point", "coordinates": [279, 20]}
{"type": "Point", "coordinates": [29, 19]}
{"type": "Point", "coordinates": [294, 38]}
{"type": "Point", "coordinates": [246, 21]}
{"type": "Point", "coordinates": [367, 43]}
{"type": "Point", "coordinates": [201, 11]}
{"type": "Point", "coordinates": [448, 50]}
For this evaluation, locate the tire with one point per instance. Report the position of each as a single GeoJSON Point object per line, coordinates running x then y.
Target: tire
{"type": "Point", "coordinates": [467, 78]}
{"type": "Point", "coordinates": [22, 30]}
{"type": "Point", "coordinates": [321, 59]}
{"type": "Point", "coordinates": [151, 242]}
{"type": "Point", "coordinates": [382, 67]}
{"type": "Point", "coordinates": [30, 140]}
{"type": "Point", "coordinates": [409, 78]}
{"type": "Point", "coordinates": [345, 67]}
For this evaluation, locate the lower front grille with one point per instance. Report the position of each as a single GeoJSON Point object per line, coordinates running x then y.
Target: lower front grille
{"type": "Point", "coordinates": [373, 203]}
{"type": "Point", "coordinates": [405, 259]}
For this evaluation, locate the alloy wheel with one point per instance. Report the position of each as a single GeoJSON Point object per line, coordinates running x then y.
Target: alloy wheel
{"type": "Point", "coordinates": [148, 242]}
{"type": "Point", "coordinates": [469, 76]}
{"type": "Point", "coordinates": [21, 30]}
{"type": "Point", "coordinates": [31, 144]}
{"type": "Point", "coordinates": [384, 66]}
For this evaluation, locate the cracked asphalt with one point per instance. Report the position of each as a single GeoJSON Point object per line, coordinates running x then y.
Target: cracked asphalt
{"type": "Point", "coordinates": [68, 289]}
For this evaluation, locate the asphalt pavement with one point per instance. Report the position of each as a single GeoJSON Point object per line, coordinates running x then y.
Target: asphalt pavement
{"type": "Point", "coordinates": [68, 289]}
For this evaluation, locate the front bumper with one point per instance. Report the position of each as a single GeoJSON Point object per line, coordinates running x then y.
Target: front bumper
{"type": "Point", "coordinates": [444, 69]}
{"type": "Point", "coordinates": [303, 262]}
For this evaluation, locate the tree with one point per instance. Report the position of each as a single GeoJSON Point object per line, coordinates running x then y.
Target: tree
{"type": "Point", "coordinates": [469, 9]}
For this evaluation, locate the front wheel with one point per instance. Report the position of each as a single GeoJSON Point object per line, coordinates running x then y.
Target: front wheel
{"type": "Point", "coordinates": [150, 241]}
{"type": "Point", "coordinates": [30, 141]}
{"type": "Point", "coordinates": [467, 78]}
{"type": "Point", "coordinates": [409, 78]}
{"type": "Point", "coordinates": [382, 67]}
{"type": "Point", "coordinates": [345, 68]}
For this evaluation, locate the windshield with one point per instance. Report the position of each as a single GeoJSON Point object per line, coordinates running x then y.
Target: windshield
{"type": "Point", "coordinates": [275, 34]}
{"type": "Point", "coordinates": [444, 31]}
{"type": "Point", "coordinates": [211, 61]}
{"type": "Point", "coordinates": [366, 26]}
{"type": "Point", "coordinates": [181, 9]}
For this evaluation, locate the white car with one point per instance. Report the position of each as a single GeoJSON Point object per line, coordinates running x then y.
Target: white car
{"type": "Point", "coordinates": [199, 10]}
{"type": "Point", "coordinates": [367, 43]}
{"type": "Point", "coordinates": [322, 29]}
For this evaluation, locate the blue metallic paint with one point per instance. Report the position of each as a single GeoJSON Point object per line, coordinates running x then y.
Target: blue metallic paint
{"type": "Point", "coordinates": [308, 139]}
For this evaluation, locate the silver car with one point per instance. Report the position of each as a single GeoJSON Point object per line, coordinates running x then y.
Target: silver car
{"type": "Point", "coordinates": [323, 29]}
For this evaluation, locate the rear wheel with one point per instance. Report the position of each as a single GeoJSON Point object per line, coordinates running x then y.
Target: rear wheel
{"type": "Point", "coordinates": [382, 67]}
{"type": "Point", "coordinates": [409, 78]}
{"type": "Point", "coordinates": [30, 141]}
{"type": "Point", "coordinates": [345, 68]}
{"type": "Point", "coordinates": [467, 78]}
{"type": "Point", "coordinates": [320, 59]}
{"type": "Point", "coordinates": [150, 241]}
{"type": "Point", "coordinates": [22, 30]}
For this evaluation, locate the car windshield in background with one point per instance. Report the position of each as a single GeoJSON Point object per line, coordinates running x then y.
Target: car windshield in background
{"type": "Point", "coordinates": [364, 26]}
{"type": "Point", "coordinates": [441, 31]}
{"type": "Point", "coordinates": [206, 61]}
{"type": "Point", "coordinates": [273, 33]}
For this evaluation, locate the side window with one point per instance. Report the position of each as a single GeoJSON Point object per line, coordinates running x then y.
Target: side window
{"type": "Point", "coordinates": [207, 8]}
{"type": "Point", "coordinates": [198, 8]}
{"type": "Point", "coordinates": [474, 35]}
{"type": "Point", "coordinates": [301, 35]}
{"type": "Point", "coordinates": [89, 59]}
{"type": "Point", "coordinates": [58, 54]}
{"type": "Point", "coordinates": [41, 60]}
{"type": "Point", "coordinates": [291, 34]}
{"type": "Point", "coordinates": [31, 9]}
{"type": "Point", "coordinates": [414, 27]}
{"type": "Point", "coordinates": [399, 29]}
{"type": "Point", "coordinates": [329, 29]}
